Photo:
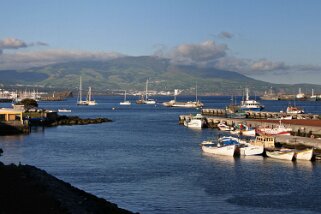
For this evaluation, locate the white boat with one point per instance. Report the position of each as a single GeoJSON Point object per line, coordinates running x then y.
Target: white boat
{"type": "Point", "coordinates": [294, 110]}
{"type": "Point", "coordinates": [306, 154]}
{"type": "Point", "coordinates": [197, 121]}
{"type": "Point", "coordinates": [217, 149]}
{"type": "Point", "coordinates": [244, 148]}
{"type": "Point", "coordinates": [223, 127]}
{"type": "Point", "coordinates": [146, 100]}
{"type": "Point", "coordinates": [242, 129]}
{"type": "Point", "coordinates": [189, 104]}
{"type": "Point", "coordinates": [250, 105]}
{"type": "Point", "coordinates": [279, 130]}
{"type": "Point", "coordinates": [64, 110]}
{"type": "Point", "coordinates": [249, 150]}
{"type": "Point", "coordinates": [282, 155]}
{"type": "Point", "coordinates": [125, 102]}
{"type": "Point", "coordinates": [80, 101]}
{"type": "Point", "coordinates": [89, 100]}
{"type": "Point", "coordinates": [300, 95]}
{"type": "Point", "coordinates": [248, 132]}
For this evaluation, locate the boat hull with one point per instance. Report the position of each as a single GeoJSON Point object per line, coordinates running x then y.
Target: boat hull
{"type": "Point", "coordinates": [280, 155]}
{"type": "Point", "coordinates": [304, 154]}
{"type": "Point", "coordinates": [225, 150]}
{"type": "Point", "coordinates": [250, 150]}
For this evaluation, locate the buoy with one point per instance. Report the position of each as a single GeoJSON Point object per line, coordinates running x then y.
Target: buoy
{"type": "Point", "coordinates": [113, 108]}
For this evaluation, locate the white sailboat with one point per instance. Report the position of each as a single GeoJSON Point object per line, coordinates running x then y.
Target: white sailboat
{"type": "Point", "coordinates": [89, 100]}
{"type": "Point", "coordinates": [146, 100]}
{"type": "Point", "coordinates": [189, 104]}
{"type": "Point", "coordinates": [125, 102]}
{"type": "Point", "coordinates": [80, 101]}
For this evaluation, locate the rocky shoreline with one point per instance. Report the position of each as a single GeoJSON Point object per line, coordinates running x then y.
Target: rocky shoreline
{"type": "Point", "coordinates": [27, 189]}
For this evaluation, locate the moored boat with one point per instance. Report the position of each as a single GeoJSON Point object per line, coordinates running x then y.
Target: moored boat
{"type": "Point", "coordinates": [223, 127]}
{"type": "Point", "coordinates": [282, 155]}
{"type": "Point", "coordinates": [278, 130]}
{"type": "Point", "coordinates": [64, 110]}
{"type": "Point", "coordinates": [250, 105]}
{"type": "Point", "coordinates": [218, 149]}
{"type": "Point", "coordinates": [306, 154]}
{"type": "Point", "coordinates": [197, 121]}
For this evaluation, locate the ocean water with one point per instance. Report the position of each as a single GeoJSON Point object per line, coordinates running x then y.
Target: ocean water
{"type": "Point", "coordinates": [145, 162]}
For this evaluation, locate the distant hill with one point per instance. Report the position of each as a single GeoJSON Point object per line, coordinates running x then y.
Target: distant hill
{"type": "Point", "coordinates": [128, 73]}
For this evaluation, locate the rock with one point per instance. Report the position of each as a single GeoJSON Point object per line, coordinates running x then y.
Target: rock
{"type": "Point", "coordinates": [27, 189]}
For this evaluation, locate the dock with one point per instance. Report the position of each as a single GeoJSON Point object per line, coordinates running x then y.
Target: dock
{"type": "Point", "coordinates": [306, 127]}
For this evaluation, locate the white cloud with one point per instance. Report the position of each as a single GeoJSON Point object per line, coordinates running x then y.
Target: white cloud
{"type": "Point", "coordinates": [12, 43]}
{"type": "Point", "coordinates": [39, 58]}
{"type": "Point", "coordinates": [197, 53]}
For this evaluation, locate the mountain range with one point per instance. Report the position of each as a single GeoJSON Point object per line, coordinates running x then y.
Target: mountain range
{"type": "Point", "coordinates": [131, 73]}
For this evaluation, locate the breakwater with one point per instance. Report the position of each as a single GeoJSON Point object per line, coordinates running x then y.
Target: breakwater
{"type": "Point", "coordinates": [27, 189]}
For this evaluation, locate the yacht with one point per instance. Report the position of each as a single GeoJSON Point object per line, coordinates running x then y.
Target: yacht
{"type": "Point", "coordinates": [250, 105]}
{"type": "Point", "coordinates": [125, 102]}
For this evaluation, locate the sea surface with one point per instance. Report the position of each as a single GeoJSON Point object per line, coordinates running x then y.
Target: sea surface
{"type": "Point", "coordinates": [146, 162]}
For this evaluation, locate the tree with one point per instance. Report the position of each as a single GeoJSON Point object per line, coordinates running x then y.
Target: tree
{"type": "Point", "coordinates": [28, 103]}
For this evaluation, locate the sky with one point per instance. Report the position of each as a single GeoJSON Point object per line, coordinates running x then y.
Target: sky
{"type": "Point", "coordinates": [276, 40]}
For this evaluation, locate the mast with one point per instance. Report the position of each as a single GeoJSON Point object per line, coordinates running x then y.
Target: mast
{"type": "Point", "coordinates": [125, 96]}
{"type": "Point", "coordinates": [246, 94]}
{"type": "Point", "coordinates": [196, 92]}
{"type": "Point", "coordinates": [89, 94]}
{"type": "Point", "coordinates": [146, 89]}
{"type": "Point", "coordinates": [80, 89]}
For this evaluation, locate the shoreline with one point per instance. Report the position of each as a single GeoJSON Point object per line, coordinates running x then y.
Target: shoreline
{"type": "Point", "coordinates": [28, 189]}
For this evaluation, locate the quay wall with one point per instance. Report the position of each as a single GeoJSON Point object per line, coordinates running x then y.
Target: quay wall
{"type": "Point", "coordinates": [260, 114]}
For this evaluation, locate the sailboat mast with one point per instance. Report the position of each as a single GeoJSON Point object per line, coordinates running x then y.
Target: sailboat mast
{"type": "Point", "coordinates": [146, 89]}
{"type": "Point", "coordinates": [89, 94]}
{"type": "Point", "coordinates": [125, 96]}
{"type": "Point", "coordinates": [196, 92]}
{"type": "Point", "coordinates": [80, 89]}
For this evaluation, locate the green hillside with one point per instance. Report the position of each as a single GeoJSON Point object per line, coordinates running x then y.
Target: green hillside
{"type": "Point", "coordinates": [130, 73]}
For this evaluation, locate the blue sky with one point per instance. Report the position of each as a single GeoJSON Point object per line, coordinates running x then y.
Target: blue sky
{"type": "Point", "coordinates": [280, 38]}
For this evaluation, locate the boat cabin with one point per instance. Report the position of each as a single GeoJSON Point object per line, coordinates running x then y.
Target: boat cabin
{"type": "Point", "coordinates": [266, 141]}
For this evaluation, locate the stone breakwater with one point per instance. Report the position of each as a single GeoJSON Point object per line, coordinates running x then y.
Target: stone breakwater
{"type": "Point", "coordinates": [27, 189]}
{"type": "Point", "coordinates": [75, 120]}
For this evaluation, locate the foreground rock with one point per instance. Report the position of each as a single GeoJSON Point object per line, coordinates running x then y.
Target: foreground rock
{"type": "Point", "coordinates": [27, 189]}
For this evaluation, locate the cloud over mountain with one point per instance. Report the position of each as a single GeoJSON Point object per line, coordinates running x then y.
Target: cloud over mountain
{"type": "Point", "coordinates": [14, 43]}
{"type": "Point", "coordinates": [40, 58]}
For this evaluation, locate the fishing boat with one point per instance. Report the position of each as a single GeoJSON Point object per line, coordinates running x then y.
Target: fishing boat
{"type": "Point", "coordinates": [279, 130]}
{"type": "Point", "coordinates": [197, 121]}
{"type": "Point", "coordinates": [242, 129]}
{"type": "Point", "coordinates": [250, 105]}
{"type": "Point", "coordinates": [282, 155]}
{"type": "Point", "coordinates": [306, 154]}
{"type": "Point", "coordinates": [223, 127]}
{"type": "Point", "coordinates": [125, 102]}
{"type": "Point", "coordinates": [294, 110]}
{"type": "Point", "coordinates": [244, 148]}
{"type": "Point", "coordinates": [218, 148]}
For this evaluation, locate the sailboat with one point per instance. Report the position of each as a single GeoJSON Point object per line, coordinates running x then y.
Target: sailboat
{"type": "Point", "coordinates": [89, 101]}
{"type": "Point", "coordinates": [189, 104]}
{"type": "Point", "coordinates": [80, 101]}
{"type": "Point", "coordinates": [146, 100]}
{"type": "Point", "coordinates": [125, 102]}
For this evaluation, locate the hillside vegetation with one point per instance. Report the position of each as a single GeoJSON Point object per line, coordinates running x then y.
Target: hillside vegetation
{"type": "Point", "coordinates": [130, 73]}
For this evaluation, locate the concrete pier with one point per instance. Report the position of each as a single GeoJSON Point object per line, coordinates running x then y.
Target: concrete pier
{"type": "Point", "coordinates": [261, 114]}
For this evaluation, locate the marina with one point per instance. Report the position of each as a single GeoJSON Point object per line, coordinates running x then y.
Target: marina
{"type": "Point", "coordinates": [171, 167]}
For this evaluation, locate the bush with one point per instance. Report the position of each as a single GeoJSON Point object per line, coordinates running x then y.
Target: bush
{"type": "Point", "coordinates": [28, 103]}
